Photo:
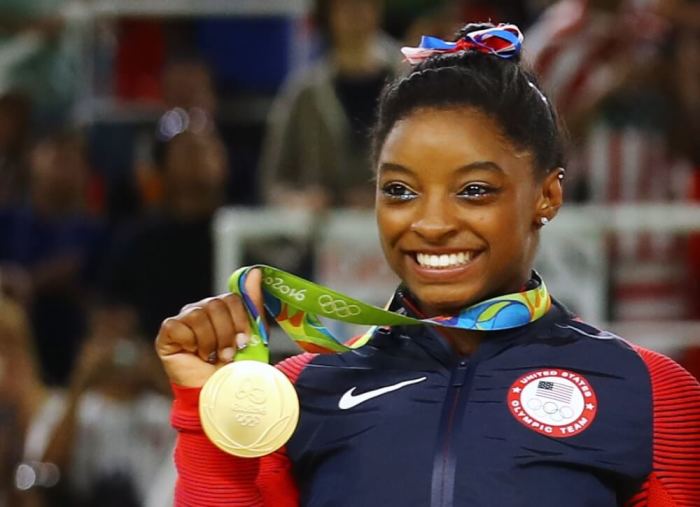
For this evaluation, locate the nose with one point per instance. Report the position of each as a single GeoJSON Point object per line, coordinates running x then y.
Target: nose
{"type": "Point", "coordinates": [435, 222]}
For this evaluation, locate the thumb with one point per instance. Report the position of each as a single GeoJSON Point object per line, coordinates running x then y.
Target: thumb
{"type": "Point", "coordinates": [253, 286]}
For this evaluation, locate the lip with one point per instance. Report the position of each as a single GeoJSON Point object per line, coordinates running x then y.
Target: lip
{"type": "Point", "coordinates": [441, 274]}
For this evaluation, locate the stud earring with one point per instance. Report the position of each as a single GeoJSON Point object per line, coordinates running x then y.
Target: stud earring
{"type": "Point", "coordinates": [544, 221]}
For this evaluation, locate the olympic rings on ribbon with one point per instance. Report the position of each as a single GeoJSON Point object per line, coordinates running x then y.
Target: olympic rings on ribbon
{"type": "Point", "coordinates": [338, 307]}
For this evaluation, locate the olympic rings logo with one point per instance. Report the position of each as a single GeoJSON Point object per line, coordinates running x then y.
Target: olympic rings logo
{"type": "Point", "coordinates": [249, 392]}
{"type": "Point", "coordinates": [247, 419]}
{"type": "Point", "coordinates": [337, 307]}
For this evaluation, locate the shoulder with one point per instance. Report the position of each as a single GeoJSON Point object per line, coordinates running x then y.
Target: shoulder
{"type": "Point", "coordinates": [307, 79]}
{"type": "Point", "coordinates": [668, 380]}
{"type": "Point", "coordinates": [673, 387]}
{"type": "Point", "coordinates": [593, 338]}
{"type": "Point", "coordinates": [293, 366]}
{"type": "Point", "coordinates": [676, 434]}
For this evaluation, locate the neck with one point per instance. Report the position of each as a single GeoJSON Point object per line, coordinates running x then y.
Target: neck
{"type": "Point", "coordinates": [463, 341]}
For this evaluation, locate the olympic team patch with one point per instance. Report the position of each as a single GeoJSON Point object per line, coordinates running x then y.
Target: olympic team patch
{"type": "Point", "coordinates": [554, 402]}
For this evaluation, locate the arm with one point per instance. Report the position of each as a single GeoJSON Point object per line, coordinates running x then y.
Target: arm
{"type": "Point", "coordinates": [95, 357]}
{"type": "Point", "coordinates": [210, 477]}
{"type": "Point", "coordinates": [203, 337]}
{"type": "Point", "coordinates": [206, 475]}
{"type": "Point", "coordinates": [675, 479]}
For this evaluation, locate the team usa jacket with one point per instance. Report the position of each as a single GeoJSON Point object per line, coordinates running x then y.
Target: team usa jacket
{"type": "Point", "coordinates": [555, 413]}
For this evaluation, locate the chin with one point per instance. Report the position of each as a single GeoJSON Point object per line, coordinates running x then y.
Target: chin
{"type": "Point", "coordinates": [442, 301]}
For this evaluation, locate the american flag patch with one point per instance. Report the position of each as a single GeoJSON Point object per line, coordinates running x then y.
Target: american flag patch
{"type": "Point", "coordinates": [555, 391]}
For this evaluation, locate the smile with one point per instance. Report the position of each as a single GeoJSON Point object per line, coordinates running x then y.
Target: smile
{"type": "Point", "coordinates": [445, 261]}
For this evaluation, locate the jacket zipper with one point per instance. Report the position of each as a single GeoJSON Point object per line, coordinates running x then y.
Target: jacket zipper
{"type": "Point", "coordinates": [444, 471]}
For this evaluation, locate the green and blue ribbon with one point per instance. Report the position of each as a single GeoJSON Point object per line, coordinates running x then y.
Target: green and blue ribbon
{"type": "Point", "coordinates": [297, 305]}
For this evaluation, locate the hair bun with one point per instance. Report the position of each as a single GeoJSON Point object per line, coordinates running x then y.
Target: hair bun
{"type": "Point", "coordinates": [472, 31]}
{"type": "Point", "coordinates": [503, 40]}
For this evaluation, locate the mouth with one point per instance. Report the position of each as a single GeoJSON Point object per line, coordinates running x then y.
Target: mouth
{"type": "Point", "coordinates": [445, 261]}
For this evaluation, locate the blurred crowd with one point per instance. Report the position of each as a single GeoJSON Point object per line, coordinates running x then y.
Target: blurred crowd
{"type": "Point", "coordinates": [115, 156]}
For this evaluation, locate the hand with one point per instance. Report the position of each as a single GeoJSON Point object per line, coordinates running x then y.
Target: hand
{"type": "Point", "coordinates": [205, 335]}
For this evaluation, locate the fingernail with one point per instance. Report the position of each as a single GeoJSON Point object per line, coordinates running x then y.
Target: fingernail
{"type": "Point", "coordinates": [212, 358]}
{"type": "Point", "coordinates": [227, 354]}
{"type": "Point", "coordinates": [241, 341]}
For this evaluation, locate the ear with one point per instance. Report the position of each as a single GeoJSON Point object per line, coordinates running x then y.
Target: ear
{"type": "Point", "coordinates": [551, 197]}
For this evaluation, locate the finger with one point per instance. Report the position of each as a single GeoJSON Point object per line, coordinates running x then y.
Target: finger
{"type": "Point", "coordinates": [241, 321]}
{"type": "Point", "coordinates": [197, 320]}
{"type": "Point", "coordinates": [198, 304]}
{"type": "Point", "coordinates": [174, 337]}
{"type": "Point", "coordinates": [224, 328]}
{"type": "Point", "coordinates": [253, 285]}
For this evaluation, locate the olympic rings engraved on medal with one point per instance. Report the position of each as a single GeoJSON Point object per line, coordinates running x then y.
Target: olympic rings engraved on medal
{"type": "Point", "coordinates": [249, 392]}
{"type": "Point", "coordinates": [337, 306]}
{"type": "Point", "coordinates": [278, 284]}
{"type": "Point", "coordinates": [252, 405]}
{"type": "Point", "coordinates": [247, 419]}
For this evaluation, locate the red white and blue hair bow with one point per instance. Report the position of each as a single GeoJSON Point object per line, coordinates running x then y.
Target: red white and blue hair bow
{"type": "Point", "coordinates": [504, 41]}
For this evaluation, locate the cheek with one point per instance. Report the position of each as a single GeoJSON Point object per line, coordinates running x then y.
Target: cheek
{"type": "Point", "coordinates": [386, 226]}
{"type": "Point", "coordinates": [391, 226]}
{"type": "Point", "coordinates": [506, 227]}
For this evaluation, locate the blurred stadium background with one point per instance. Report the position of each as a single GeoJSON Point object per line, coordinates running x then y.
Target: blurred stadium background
{"type": "Point", "coordinates": [149, 147]}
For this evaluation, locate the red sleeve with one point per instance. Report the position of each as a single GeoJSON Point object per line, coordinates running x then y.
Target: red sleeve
{"type": "Point", "coordinates": [675, 477]}
{"type": "Point", "coordinates": [208, 477]}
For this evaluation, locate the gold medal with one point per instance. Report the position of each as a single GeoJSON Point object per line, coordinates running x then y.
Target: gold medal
{"type": "Point", "coordinates": [248, 409]}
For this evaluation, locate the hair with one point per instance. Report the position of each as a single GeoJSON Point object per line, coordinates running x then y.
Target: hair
{"type": "Point", "coordinates": [503, 89]}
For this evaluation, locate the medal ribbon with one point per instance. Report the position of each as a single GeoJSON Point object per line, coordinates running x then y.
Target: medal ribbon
{"type": "Point", "coordinates": [296, 304]}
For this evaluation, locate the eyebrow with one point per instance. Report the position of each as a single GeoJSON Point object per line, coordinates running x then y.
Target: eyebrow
{"type": "Point", "coordinates": [478, 165]}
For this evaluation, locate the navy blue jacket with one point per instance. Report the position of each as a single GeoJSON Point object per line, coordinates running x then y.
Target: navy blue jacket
{"type": "Point", "coordinates": [456, 437]}
{"type": "Point", "coordinates": [555, 413]}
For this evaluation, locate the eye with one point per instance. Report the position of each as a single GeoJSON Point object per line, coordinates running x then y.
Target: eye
{"type": "Point", "coordinates": [476, 190]}
{"type": "Point", "coordinates": [398, 192]}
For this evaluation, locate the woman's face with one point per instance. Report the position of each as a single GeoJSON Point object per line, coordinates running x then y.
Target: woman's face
{"type": "Point", "coordinates": [458, 208]}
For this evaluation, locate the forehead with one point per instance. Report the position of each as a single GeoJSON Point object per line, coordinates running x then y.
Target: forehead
{"type": "Point", "coordinates": [432, 138]}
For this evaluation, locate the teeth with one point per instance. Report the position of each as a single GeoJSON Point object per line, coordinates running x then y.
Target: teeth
{"type": "Point", "coordinates": [444, 260]}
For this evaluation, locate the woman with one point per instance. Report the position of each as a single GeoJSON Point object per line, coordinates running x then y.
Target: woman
{"type": "Point", "coordinates": [553, 412]}
{"type": "Point", "coordinates": [316, 151]}
{"type": "Point", "coordinates": [29, 412]}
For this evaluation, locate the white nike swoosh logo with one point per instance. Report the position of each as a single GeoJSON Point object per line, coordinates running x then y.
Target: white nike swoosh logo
{"type": "Point", "coordinates": [349, 400]}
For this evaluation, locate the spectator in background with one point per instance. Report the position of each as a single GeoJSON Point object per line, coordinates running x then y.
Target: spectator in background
{"type": "Point", "coordinates": [317, 149]}
{"type": "Point", "coordinates": [161, 262]}
{"type": "Point", "coordinates": [29, 411]}
{"type": "Point", "coordinates": [190, 103]}
{"type": "Point", "coordinates": [39, 56]}
{"type": "Point", "coordinates": [14, 129]}
{"type": "Point", "coordinates": [113, 435]}
{"type": "Point", "coordinates": [444, 18]}
{"type": "Point", "coordinates": [630, 100]}
{"type": "Point", "coordinates": [49, 248]}
{"type": "Point", "coordinates": [443, 21]}
{"type": "Point", "coordinates": [188, 84]}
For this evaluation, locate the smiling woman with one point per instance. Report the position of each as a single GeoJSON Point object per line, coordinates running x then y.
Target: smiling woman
{"type": "Point", "coordinates": [542, 410]}
{"type": "Point", "coordinates": [458, 208]}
